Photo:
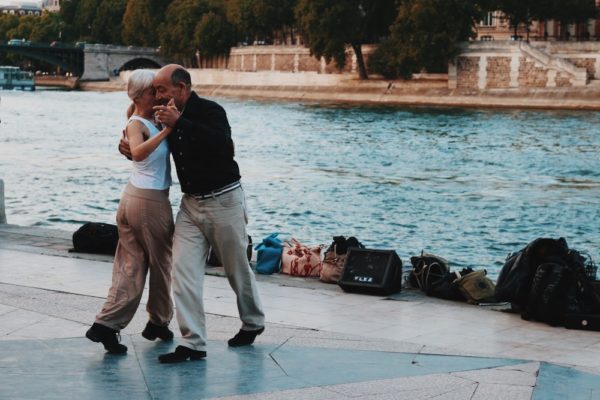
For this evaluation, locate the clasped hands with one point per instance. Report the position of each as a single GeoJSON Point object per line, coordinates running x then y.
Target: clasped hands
{"type": "Point", "coordinates": [167, 115]}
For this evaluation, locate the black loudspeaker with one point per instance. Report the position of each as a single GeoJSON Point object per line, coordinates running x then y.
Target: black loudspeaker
{"type": "Point", "coordinates": [372, 271]}
{"type": "Point", "coordinates": [586, 322]}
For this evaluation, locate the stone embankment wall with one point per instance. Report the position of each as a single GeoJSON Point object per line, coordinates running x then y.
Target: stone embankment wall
{"type": "Point", "coordinates": [289, 59]}
{"type": "Point", "coordinates": [486, 74]}
{"type": "Point", "coordinates": [517, 64]}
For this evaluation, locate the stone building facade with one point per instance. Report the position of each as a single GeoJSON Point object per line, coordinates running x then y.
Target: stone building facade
{"type": "Point", "coordinates": [495, 26]}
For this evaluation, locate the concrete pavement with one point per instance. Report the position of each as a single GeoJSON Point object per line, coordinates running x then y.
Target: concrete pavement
{"type": "Point", "coordinates": [319, 343]}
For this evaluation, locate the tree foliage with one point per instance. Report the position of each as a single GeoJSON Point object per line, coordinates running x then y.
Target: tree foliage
{"type": "Point", "coordinates": [46, 28]}
{"type": "Point", "coordinates": [213, 35]}
{"type": "Point", "coordinates": [260, 20]}
{"type": "Point", "coordinates": [84, 17]}
{"type": "Point", "coordinates": [425, 36]}
{"type": "Point", "coordinates": [571, 11]}
{"type": "Point", "coordinates": [141, 21]}
{"type": "Point", "coordinates": [523, 12]}
{"type": "Point", "coordinates": [7, 24]}
{"type": "Point", "coordinates": [328, 26]}
{"type": "Point", "coordinates": [24, 28]}
{"type": "Point", "coordinates": [177, 32]}
{"type": "Point", "coordinates": [68, 9]}
{"type": "Point", "coordinates": [413, 34]}
{"type": "Point", "coordinates": [109, 13]}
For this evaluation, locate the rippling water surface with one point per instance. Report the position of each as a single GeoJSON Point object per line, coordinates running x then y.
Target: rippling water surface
{"type": "Point", "coordinates": [469, 185]}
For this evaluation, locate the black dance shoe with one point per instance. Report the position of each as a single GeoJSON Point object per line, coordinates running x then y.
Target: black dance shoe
{"type": "Point", "coordinates": [108, 337]}
{"type": "Point", "coordinates": [244, 338]}
{"type": "Point", "coordinates": [181, 354]}
{"type": "Point", "coordinates": [152, 331]}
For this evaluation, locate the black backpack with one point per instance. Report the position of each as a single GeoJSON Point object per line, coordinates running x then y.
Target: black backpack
{"type": "Point", "coordinates": [431, 274]}
{"type": "Point", "coordinates": [341, 244]}
{"type": "Point", "coordinates": [96, 237]}
{"type": "Point", "coordinates": [515, 278]}
{"type": "Point", "coordinates": [561, 287]}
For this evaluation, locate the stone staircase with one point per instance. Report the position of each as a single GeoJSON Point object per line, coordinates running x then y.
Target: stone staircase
{"type": "Point", "coordinates": [578, 75]}
{"type": "Point", "coordinates": [595, 83]}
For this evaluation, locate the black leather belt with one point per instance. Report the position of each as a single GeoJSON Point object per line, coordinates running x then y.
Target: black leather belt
{"type": "Point", "coordinates": [217, 192]}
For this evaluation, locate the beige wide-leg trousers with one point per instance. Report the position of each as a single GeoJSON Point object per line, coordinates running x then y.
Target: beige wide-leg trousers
{"type": "Point", "coordinates": [219, 221]}
{"type": "Point", "coordinates": [145, 223]}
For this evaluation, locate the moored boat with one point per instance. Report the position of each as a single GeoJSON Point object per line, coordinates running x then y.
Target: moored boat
{"type": "Point", "coordinates": [13, 78]}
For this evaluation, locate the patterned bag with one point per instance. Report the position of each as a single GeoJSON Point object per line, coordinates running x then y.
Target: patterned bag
{"type": "Point", "coordinates": [335, 257]}
{"type": "Point", "coordinates": [333, 266]}
{"type": "Point", "coordinates": [300, 260]}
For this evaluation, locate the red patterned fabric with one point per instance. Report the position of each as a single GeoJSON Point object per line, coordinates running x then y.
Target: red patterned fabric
{"type": "Point", "coordinates": [300, 260]}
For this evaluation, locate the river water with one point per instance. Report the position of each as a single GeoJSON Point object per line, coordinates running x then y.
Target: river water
{"type": "Point", "coordinates": [469, 185]}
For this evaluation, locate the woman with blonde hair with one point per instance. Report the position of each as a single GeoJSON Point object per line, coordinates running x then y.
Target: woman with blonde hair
{"type": "Point", "coordinates": [145, 224]}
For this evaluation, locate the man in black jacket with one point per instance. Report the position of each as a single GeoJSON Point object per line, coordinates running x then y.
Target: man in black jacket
{"type": "Point", "coordinates": [212, 212]}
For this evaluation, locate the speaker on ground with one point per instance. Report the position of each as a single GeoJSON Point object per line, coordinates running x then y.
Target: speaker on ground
{"type": "Point", "coordinates": [372, 271]}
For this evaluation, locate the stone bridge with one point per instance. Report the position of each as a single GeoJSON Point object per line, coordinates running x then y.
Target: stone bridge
{"type": "Point", "coordinates": [91, 62]}
{"type": "Point", "coordinates": [103, 61]}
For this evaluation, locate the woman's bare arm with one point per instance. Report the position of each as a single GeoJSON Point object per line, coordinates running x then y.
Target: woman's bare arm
{"type": "Point", "coordinates": [140, 148]}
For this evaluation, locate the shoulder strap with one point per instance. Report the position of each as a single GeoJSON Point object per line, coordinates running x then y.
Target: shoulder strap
{"type": "Point", "coordinates": [144, 121]}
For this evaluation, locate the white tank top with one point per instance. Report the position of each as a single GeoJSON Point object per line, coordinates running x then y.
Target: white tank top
{"type": "Point", "coordinates": [155, 171]}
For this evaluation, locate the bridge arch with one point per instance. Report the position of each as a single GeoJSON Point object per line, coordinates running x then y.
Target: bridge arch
{"type": "Point", "coordinates": [138, 63]}
{"type": "Point", "coordinates": [69, 58]}
{"type": "Point", "coordinates": [104, 61]}
{"type": "Point", "coordinates": [93, 62]}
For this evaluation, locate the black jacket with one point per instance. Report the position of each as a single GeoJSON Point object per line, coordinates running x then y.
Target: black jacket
{"type": "Point", "coordinates": [202, 148]}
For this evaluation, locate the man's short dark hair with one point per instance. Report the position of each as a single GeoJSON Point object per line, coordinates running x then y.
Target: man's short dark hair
{"type": "Point", "coordinates": [181, 75]}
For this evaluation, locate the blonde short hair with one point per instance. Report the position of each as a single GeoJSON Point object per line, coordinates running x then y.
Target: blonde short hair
{"type": "Point", "coordinates": [140, 80]}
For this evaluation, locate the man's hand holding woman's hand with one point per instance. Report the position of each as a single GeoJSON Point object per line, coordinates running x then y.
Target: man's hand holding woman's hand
{"type": "Point", "coordinates": [167, 115]}
{"type": "Point", "coordinates": [124, 146]}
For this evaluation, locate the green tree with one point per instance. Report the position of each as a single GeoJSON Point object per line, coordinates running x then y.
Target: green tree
{"type": "Point", "coordinates": [260, 20]}
{"type": "Point", "coordinates": [24, 29]}
{"type": "Point", "coordinates": [328, 26]}
{"type": "Point", "coordinates": [7, 23]}
{"type": "Point", "coordinates": [523, 12]}
{"type": "Point", "coordinates": [239, 13]}
{"type": "Point", "coordinates": [213, 35]}
{"type": "Point", "coordinates": [84, 18]}
{"type": "Point", "coordinates": [46, 28]}
{"type": "Point", "coordinates": [142, 20]}
{"type": "Point", "coordinates": [177, 32]}
{"type": "Point", "coordinates": [107, 24]}
{"type": "Point", "coordinates": [68, 10]}
{"type": "Point", "coordinates": [571, 12]}
{"type": "Point", "coordinates": [425, 35]}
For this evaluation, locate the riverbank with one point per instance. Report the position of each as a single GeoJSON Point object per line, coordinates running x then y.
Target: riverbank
{"type": "Point", "coordinates": [343, 89]}
{"type": "Point", "coordinates": [57, 81]}
{"type": "Point", "coordinates": [319, 342]}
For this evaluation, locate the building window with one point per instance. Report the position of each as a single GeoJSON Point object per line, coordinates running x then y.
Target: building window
{"type": "Point", "coordinates": [488, 20]}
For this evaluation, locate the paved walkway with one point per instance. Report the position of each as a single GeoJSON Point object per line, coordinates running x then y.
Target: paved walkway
{"type": "Point", "coordinates": [319, 343]}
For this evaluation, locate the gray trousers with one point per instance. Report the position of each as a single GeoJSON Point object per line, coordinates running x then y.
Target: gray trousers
{"type": "Point", "coordinates": [145, 223]}
{"type": "Point", "coordinates": [221, 222]}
